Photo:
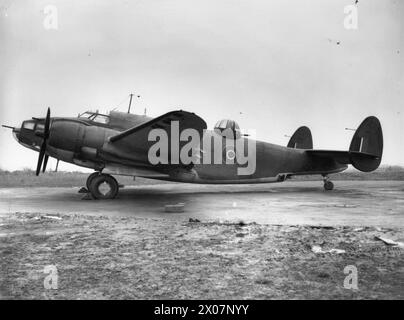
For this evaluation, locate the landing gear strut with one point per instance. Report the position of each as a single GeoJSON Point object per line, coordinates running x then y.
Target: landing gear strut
{"type": "Point", "coordinates": [328, 185]}
{"type": "Point", "coordinates": [102, 186]}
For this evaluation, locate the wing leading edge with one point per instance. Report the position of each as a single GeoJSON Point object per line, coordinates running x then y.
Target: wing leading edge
{"type": "Point", "coordinates": [186, 120]}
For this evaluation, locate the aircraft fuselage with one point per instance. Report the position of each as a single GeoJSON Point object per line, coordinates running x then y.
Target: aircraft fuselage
{"type": "Point", "coordinates": [86, 144]}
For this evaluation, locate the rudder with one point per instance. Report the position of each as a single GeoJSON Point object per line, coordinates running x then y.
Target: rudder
{"type": "Point", "coordinates": [368, 139]}
{"type": "Point", "coordinates": [301, 139]}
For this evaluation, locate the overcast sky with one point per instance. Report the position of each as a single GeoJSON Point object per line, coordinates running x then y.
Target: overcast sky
{"type": "Point", "coordinates": [270, 65]}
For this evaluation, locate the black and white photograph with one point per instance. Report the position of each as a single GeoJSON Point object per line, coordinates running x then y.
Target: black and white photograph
{"type": "Point", "coordinates": [201, 155]}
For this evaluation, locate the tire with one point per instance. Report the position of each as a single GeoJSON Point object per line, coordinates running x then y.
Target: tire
{"type": "Point", "coordinates": [328, 185]}
{"type": "Point", "coordinates": [104, 187]}
{"type": "Point", "coordinates": [90, 178]}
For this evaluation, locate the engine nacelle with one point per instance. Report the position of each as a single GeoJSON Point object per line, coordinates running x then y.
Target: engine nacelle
{"type": "Point", "coordinates": [75, 136]}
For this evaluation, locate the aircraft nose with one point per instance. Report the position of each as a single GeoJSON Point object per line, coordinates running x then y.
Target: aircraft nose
{"type": "Point", "coordinates": [16, 134]}
{"type": "Point", "coordinates": [26, 135]}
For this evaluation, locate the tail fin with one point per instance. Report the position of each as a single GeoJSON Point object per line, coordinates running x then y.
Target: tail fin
{"type": "Point", "coordinates": [368, 139]}
{"type": "Point", "coordinates": [301, 139]}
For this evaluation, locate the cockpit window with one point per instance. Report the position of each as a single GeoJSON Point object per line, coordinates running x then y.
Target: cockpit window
{"type": "Point", "coordinates": [86, 115]}
{"type": "Point", "coordinates": [96, 117]}
{"type": "Point", "coordinates": [30, 125]}
{"type": "Point", "coordinates": [101, 119]}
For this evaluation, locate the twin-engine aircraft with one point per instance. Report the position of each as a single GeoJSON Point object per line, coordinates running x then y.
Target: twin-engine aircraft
{"type": "Point", "coordinates": [121, 144]}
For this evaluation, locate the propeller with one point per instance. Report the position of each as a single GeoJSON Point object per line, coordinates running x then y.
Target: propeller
{"type": "Point", "coordinates": [42, 152]}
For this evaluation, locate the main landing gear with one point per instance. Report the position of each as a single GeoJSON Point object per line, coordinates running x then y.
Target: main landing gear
{"type": "Point", "coordinates": [102, 186]}
{"type": "Point", "coordinates": [328, 185]}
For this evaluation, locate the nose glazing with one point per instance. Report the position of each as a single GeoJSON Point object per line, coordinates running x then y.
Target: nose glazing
{"type": "Point", "coordinates": [26, 135]}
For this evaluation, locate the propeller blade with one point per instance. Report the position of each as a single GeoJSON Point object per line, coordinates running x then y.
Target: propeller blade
{"type": "Point", "coordinates": [45, 163]}
{"type": "Point", "coordinates": [43, 146]}
{"type": "Point", "coordinates": [40, 158]}
{"type": "Point", "coordinates": [47, 123]}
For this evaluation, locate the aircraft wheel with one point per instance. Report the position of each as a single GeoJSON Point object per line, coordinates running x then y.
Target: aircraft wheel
{"type": "Point", "coordinates": [104, 186]}
{"type": "Point", "coordinates": [90, 179]}
{"type": "Point", "coordinates": [328, 185]}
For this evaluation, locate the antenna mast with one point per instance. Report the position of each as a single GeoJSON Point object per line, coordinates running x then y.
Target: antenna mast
{"type": "Point", "coordinates": [130, 102]}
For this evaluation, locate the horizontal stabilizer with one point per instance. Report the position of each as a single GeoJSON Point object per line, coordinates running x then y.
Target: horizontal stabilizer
{"type": "Point", "coordinates": [343, 157]}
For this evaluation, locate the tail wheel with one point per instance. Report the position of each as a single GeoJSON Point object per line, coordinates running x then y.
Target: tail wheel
{"type": "Point", "coordinates": [328, 185]}
{"type": "Point", "coordinates": [90, 179]}
{"type": "Point", "coordinates": [104, 186]}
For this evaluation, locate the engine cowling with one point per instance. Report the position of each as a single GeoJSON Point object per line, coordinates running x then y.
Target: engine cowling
{"type": "Point", "coordinates": [76, 137]}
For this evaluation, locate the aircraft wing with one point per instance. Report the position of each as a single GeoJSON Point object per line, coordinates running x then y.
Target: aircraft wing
{"type": "Point", "coordinates": [136, 139]}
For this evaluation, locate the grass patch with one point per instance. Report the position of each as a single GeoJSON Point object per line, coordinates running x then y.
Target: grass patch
{"type": "Point", "coordinates": [27, 177]}
{"type": "Point", "coordinates": [390, 173]}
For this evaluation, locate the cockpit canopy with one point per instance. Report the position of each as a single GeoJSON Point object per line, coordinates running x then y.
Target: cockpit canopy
{"type": "Point", "coordinates": [228, 128]}
{"type": "Point", "coordinates": [95, 117]}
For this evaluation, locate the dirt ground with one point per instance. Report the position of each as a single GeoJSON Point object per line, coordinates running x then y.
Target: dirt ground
{"type": "Point", "coordinates": [115, 257]}
{"type": "Point", "coordinates": [351, 203]}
